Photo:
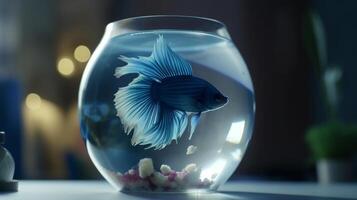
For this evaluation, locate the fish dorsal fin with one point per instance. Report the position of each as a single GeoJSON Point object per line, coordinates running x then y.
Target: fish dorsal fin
{"type": "Point", "coordinates": [194, 121]}
{"type": "Point", "coordinates": [168, 62]}
{"type": "Point", "coordinates": [162, 63]}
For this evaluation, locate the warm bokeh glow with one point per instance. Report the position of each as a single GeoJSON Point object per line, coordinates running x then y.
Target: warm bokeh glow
{"type": "Point", "coordinates": [33, 101]}
{"type": "Point", "coordinates": [82, 53]}
{"type": "Point", "coordinates": [65, 67]}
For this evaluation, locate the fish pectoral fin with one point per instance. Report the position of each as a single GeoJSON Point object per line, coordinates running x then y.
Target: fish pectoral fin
{"type": "Point", "coordinates": [195, 118]}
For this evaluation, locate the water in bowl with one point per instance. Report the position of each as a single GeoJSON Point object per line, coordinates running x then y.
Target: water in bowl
{"type": "Point", "coordinates": [220, 139]}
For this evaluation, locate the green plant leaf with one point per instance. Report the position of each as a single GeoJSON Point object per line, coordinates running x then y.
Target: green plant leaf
{"type": "Point", "coordinates": [333, 140]}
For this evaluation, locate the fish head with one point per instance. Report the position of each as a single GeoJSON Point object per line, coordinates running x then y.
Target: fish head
{"type": "Point", "coordinates": [215, 99]}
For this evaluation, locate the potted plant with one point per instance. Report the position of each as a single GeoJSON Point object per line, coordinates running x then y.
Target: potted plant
{"type": "Point", "coordinates": [333, 143]}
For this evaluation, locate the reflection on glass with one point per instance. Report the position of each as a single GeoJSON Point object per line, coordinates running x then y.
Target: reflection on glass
{"type": "Point", "coordinates": [237, 154]}
{"type": "Point", "coordinates": [213, 171]}
{"type": "Point", "coordinates": [236, 132]}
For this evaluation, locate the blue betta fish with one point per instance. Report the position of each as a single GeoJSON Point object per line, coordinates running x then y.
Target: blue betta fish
{"type": "Point", "coordinates": [156, 105]}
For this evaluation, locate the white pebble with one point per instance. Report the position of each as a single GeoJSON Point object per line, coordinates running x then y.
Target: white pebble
{"type": "Point", "coordinates": [191, 150]}
{"type": "Point", "coordinates": [146, 167]}
{"type": "Point", "coordinates": [179, 178]}
{"type": "Point", "coordinates": [165, 169]}
{"type": "Point", "coordinates": [158, 179]}
{"type": "Point", "coordinates": [131, 172]}
{"type": "Point", "coordinates": [190, 168]}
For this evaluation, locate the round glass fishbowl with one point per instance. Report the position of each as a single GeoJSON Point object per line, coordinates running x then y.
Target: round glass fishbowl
{"type": "Point", "coordinates": [166, 104]}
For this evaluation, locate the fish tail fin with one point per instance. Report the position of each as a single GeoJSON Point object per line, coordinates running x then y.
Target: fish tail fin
{"type": "Point", "coordinates": [135, 106]}
{"type": "Point", "coordinates": [150, 122]}
{"type": "Point", "coordinates": [170, 126]}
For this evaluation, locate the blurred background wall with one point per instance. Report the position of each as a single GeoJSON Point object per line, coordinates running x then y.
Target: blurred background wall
{"type": "Point", "coordinates": [44, 47]}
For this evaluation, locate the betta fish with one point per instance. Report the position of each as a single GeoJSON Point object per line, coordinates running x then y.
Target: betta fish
{"type": "Point", "coordinates": [157, 105]}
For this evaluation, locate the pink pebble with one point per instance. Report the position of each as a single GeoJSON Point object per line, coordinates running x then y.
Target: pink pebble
{"type": "Point", "coordinates": [135, 176]}
{"type": "Point", "coordinates": [172, 176]}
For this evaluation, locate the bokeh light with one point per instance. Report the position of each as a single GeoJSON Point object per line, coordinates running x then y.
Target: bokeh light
{"type": "Point", "coordinates": [33, 101]}
{"type": "Point", "coordinates": [65, 67]}
{"type": "Point", "coordinates": [82, 53]}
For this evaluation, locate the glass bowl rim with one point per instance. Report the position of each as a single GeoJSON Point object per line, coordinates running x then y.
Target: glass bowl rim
{"type": "Point", "coordinates": [199, 18]}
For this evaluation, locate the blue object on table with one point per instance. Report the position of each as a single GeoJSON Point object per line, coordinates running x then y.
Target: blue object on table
{"type": "Point", "coordinates": [10, 119]}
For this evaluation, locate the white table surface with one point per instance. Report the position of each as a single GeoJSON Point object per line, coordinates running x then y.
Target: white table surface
{"type": "Point", "coordinates": [100, 190]}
